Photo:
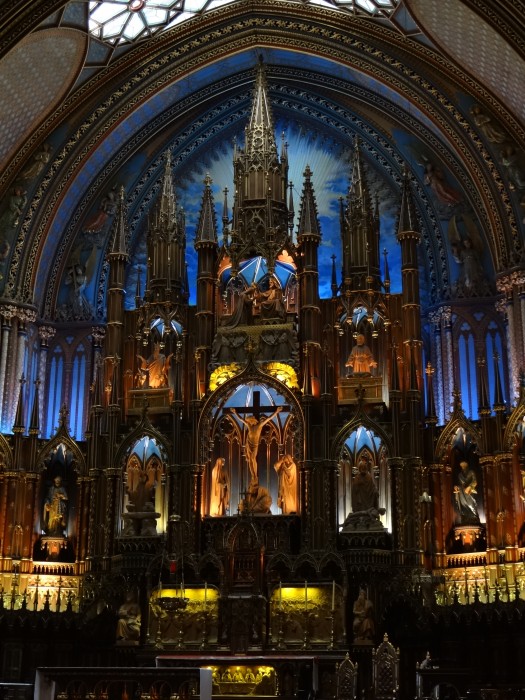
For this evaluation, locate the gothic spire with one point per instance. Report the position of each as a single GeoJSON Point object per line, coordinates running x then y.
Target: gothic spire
{"type": "Point", "coordinates": [207, 226]}
{"type": "Point", "coordinates": [360, 231]}
{"type": "Point", "coordinates": [499, 401]}
{"type": "Point", "coordinates": [19, 425]}
{"type": "Point", "coordinates": [165, 211]}
{"type": "Point", "coordinates": [34, 424]}
{"type": "Point", "coordinates": [260, 131]}
{"type": "Point", "coordinates": [407, 213]}
{"type": "Point", "coordinates": [359, 193]}
{"type": "Point", "coordinates": [120, 226]}
{"type": "Point", "coordinates": [431, 404]}
{"type": "Point", "coordinates": [308, 218]}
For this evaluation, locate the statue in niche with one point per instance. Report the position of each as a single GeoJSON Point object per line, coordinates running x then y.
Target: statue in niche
{"type": "Point", "coordinates": [254, 428]}
{"type": "Point", "coordinates": [363, 624]}
{"type": "Point", "coordinates": [55, 513]}
{"type": "Point", "coordinates": [464, 495]}
{"type": "Point", "coordinates": [287, 496]}
{"type": "Point", "coordinates": [361, 361]}
{"type": "Point", "coordinates": [271, 301]}
{"type": "Point", "coordinates": [153, 372]}
{"type": "Point", "coordinates": [128, 623]}
{"type": "Point", "coordinates": [142, 481]}
{"type": "Point", "coordinates": [365, 500]}
{"type": "Point", "coordinates": [364, 490]}
{"type": "Point", "coordinates": [220, 498]}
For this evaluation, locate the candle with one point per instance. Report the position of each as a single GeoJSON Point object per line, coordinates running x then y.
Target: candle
{"type": "Point", "coordinates": [305, 595]}
{"type": "Point", "coordinates": [333, 595]}
{"type": "Point", "coordinates": [280, 595]}
{"type": "Point", "coordinates": [205, 592]}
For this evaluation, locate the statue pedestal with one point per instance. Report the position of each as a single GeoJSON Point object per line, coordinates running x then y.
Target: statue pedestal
{"type": "Point", "coordinates": [141, 524]}
{"type": "Point", "coordinates": [469, 537]}
{"type": "Point", "coordinates": [54, 546]}
{"type": "Point", "coordinates": [158, 400]}
{"type": "Point", "coordinates": [349, 389]}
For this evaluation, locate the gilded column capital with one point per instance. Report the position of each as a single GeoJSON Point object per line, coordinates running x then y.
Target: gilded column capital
{"type": "Point", "coordinates": [22, 313]}
{"type": "Point", "coordinates": [46, 333]}
{"type": "Point", "coordinates": [501, 307]}
{"type": "Point", "coordinates": [506, 284]}
{"type": "Point", "coordinates": [98, 333]}
{"type": "Point", "coordinates": [435, 318]}
{"type": "Point", "coordinates": [446, 316]}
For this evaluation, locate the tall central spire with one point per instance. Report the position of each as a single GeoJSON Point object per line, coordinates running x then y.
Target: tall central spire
{"type": "Point", "coordinates": [260, 220]}
{"type": "Point", "coordinates": [260, 136]}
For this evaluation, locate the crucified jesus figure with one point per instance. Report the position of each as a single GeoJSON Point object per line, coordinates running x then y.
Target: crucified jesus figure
{"type": "Point", "coordinates": [254, 429]}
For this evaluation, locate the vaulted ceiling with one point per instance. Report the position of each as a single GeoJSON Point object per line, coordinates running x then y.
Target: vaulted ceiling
{"type": "Point", "coordinates": [435, 87]}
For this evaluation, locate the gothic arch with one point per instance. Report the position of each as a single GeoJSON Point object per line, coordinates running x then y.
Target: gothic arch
{"type": "Point", "coordinates": [250, 374]}
{"type": "Point", "coordinates": [62, 437]}
{"type": "Point", "coordinates": [143, 429]}
{"type": "Point", "coordinates": [360, 420]}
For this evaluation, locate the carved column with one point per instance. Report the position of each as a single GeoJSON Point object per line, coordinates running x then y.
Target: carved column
{"type": "Point", "coordinates": [94, 534]}
{"type": "Point", "coordinates": [45, 334]}
{"type": "Point", "coordinates": [24, 316]}
{"type": "Point", "coordinates": [112, 493]}
{"type": "Point", "coordinates": [30, 503]}
{"type": "Point", "coordinates": [98, 333]}
{"type": "Point", "coordinates": [507, 285]}
{"type": "Point", "coordinates": [396, 466]}
{"type": "Point", "coordinates": [11, 478]}
{"type": "Point", "coordinates": [83, 524]}
{"type": "Point", "coordinates": [7, 313]}
{"type": "Point", "coordinates": [448, 359]}
{"type": "Point", "coordinates": [435, 320]}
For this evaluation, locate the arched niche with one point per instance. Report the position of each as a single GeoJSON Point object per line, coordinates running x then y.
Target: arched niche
{"type": "Point", "coordinates": [360, 443]}
{"type": "Point", "coordinates": [467, 508]}
{"type": "Point", "coordinates": [144, 504]}
{"type": "Point", "coordinates": [262, 400]}
{"type": "Point", "coordinates": [57, 517]}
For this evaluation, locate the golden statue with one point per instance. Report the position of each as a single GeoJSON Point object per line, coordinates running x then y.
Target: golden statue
{"type": "Point", "coordinates": [361, 361]}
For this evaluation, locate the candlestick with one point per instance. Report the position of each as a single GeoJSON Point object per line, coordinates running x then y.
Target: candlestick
{"type": "Point", "coordinates": [333, 595]}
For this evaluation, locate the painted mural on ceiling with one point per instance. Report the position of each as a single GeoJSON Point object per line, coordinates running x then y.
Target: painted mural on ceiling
{"type": "Point", "coordinates": [443, 191]}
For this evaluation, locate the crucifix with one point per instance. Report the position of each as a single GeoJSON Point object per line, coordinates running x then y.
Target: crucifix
{"type": "Point", "coordinates": [254, 425]}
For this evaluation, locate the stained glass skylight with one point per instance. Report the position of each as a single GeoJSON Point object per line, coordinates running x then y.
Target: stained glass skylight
{"type": "Point", "coordinates": [125, 21]}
